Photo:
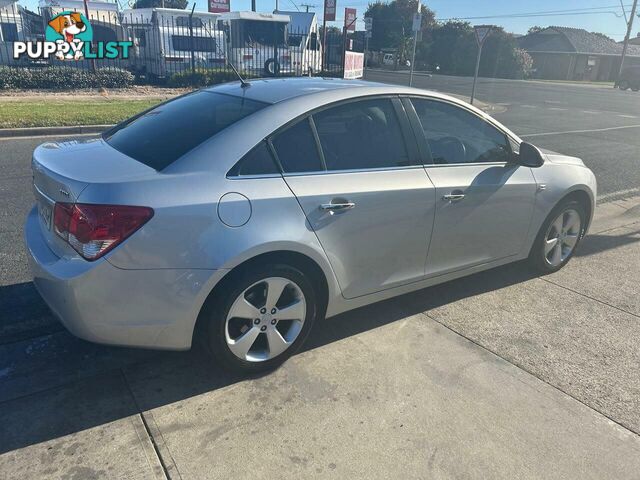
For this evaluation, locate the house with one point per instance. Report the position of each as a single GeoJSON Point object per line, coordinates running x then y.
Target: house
{"type": "Point", "coordinates": [563, 53]}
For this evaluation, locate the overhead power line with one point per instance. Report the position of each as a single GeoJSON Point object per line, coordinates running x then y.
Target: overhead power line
{"type": "Point", "coordinates": [551, 13]}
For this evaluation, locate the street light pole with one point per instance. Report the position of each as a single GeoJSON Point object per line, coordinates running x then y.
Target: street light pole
{"type": "Point", "coordinates": [626, 38]}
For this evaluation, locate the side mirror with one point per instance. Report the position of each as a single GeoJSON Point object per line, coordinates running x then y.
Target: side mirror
{"type": "Point", "coordinates": [529, 156]}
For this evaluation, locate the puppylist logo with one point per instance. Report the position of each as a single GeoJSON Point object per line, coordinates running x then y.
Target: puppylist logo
{"type": "Point", "coordinates": [69, 37]}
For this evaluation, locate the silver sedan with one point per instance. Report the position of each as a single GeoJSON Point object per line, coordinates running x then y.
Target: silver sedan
{"type": "Point", "coordinates": [239, 215]}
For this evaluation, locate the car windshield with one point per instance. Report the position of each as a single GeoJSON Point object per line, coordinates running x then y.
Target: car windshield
{"type": "Point", "coordinates": [163, 134]}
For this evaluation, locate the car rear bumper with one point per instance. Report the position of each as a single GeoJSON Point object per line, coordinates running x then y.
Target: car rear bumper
{"type": "Point", "coordinates": [105, 304]}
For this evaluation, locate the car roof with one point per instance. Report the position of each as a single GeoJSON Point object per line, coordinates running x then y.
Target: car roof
{"type": "Point", "coordinates": [276, 90]}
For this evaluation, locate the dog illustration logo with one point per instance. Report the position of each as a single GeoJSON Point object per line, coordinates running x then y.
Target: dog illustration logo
{"type": "Point", "coordinates": [69, 36]}
{"type": "Point", "coordinates": [71, 28]}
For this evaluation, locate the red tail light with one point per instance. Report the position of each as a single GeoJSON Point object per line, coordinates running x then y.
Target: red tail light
{"type": "Point", "coordinates": [247, 57]}
{"type": "Point", "coordinates": [93, 230]}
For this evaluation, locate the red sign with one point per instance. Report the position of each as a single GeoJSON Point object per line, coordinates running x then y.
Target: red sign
{"type": "Point", "coordinates": [329, 10]}
{"type": "Point", "coordinates": [350, 19]}
{"type": "Point", "coordinates": [219, 6]}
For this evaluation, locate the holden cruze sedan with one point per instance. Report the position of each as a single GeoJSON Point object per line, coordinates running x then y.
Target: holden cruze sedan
{"type": "Point", "coordinates": [240, 214]}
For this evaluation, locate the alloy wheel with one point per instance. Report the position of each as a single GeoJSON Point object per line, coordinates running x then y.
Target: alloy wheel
{"type": "Point", "coordinates": [562, 237]}
{"type": "Point", "coordinates": [265, 319]}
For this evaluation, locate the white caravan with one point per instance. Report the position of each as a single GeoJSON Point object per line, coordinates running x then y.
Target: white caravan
{"type": "Point", "coordinates": [257, 42]}
{"type": "Point", "coordinates": [162, 40]}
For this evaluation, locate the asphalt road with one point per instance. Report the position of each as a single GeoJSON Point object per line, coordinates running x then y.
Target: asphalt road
{"type": "Point", "coordinates": [597, 123]}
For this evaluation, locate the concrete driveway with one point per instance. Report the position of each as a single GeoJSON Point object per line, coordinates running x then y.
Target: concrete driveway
{"type": "Point", "coordinates": [500, 375]}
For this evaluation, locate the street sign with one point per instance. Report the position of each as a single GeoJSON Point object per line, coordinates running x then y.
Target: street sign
{"type": "Point", "coordinates": [482, 32]}
{"type": "Point", "coordinates": [417, 22]}
{"type": "Point", "coordinates": [350, 19]}
{"type": "Point", "coordinates": [368, 24]}
{"type": "Point", "coordinates": [330, 10]}
{"type": "Point", "coordinates": [353, 65]}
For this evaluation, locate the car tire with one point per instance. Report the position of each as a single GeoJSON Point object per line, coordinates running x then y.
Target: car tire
{"type": "Point", "coordinates": [222, 332]}
{"type": "Point", "coordinates": [623, 85]}
{"type": "Point", "coordinates": [271, 67]}
{"type": "Point", "coordinates": [635, 89]}
{"type": "Point", "coordinates": [545, 256]}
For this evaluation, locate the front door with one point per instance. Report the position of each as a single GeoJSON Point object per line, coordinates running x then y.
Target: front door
{"type": "Point", "coordinates": [484, 203]}
{"type": "Point", "coordinates": [363, 193]}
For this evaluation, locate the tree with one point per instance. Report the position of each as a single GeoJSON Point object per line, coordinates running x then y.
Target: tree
{"type": "Point", "coordinates": [392, 23]}
{"type": "Point", "coordinates": [534, 29]}
{"type": "Point", "coordinates": [453, 48]}
{"type": "Point", "coordinates": [180, 4]}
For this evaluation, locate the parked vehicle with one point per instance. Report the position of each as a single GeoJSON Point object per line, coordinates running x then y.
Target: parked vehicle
{"type": "Point", "coordinates": [257, 42]}
{"type": "Point", "coordinates": [163, 40]}
{"type": "Point", "coordinates": [239, 215]}
{"type": "Point", "coordinates": [629, 79]}
{"type": "Point", "coordinates": [304, 43]}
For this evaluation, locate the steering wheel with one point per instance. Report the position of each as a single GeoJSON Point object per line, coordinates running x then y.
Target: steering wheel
{"type": "Point", "coordinates": [448, 150]}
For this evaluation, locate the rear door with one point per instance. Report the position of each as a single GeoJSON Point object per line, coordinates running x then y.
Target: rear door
{"type": "Point", "coordinates": [484, 203]}
{"type": "Point", "coordinates": [355, 170]}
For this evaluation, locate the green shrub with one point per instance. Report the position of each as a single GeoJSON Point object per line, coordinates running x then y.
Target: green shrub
{"type": "Point", "coordinates": [203, 77]}
{"type": "Point", "coordinates": [62, 78]}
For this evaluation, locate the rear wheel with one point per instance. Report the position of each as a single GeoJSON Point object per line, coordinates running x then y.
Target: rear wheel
{"type": "Point", "coordinates": [623, 85]}
{"type": "Point", "coordinates": [262, 318]}
{"type": "Point", "coordinates": [559, 236]}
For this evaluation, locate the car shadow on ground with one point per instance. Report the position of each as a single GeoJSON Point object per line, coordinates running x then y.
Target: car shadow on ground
{"type": "Point", "coordinates": [76, 385]}
{"type": "Point", "coordinates": [54, 385]}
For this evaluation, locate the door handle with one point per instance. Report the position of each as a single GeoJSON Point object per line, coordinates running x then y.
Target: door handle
{"type": "Point", "coordinates": [454, 196]}
{"type": "Point", "coordinates": [334, 208]}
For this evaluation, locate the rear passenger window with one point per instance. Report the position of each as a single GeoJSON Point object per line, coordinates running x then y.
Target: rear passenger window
{"type": "Point", "coordinates": [258, 161]}
{"type": "Point", "coordinates": [297, 149]}
{"type": "Point", "coordinates": [361, 135]}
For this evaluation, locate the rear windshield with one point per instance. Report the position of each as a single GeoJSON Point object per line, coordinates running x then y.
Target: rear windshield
{"type": "Point", "coordinates": [162, 135]}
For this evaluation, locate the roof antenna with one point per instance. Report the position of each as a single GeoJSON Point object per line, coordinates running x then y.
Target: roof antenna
{"type": "Point", "coordinates": [243, 82]}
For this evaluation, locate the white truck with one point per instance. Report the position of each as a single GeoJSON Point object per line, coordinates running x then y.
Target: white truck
{"type": "Point", "coordinates": [305, 45]}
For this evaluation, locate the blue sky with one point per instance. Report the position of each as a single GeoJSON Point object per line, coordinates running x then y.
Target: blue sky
{"type": "Point", "coordinates": [593, 20]}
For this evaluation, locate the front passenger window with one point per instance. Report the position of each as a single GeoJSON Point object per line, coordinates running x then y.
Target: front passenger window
{"type": "Point", "coordinates": [456, 136]}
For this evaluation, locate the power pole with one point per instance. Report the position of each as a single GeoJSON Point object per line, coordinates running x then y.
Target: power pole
{"type": "Point", "coordinates": [307, 6]}
{"type": "Point", "coordinates": [626, 38]}
{"type": "Point", "coordinates": [416, 26]}
{"type": "Point", "coordinates": [253, 5]}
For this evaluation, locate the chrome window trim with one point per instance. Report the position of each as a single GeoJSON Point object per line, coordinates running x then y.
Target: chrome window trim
{"type": "Point", "coordinates": [352, 170]}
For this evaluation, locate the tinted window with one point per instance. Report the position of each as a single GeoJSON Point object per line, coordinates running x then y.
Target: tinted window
{"type": "Point", "coordinates": [297, 150]}
{"type": "Point", "coordinates": [457, 136]}
{"type": "Point", "coordinates": [359, 135]}
{"type": "Point", "coordinates": [200, 44]}
{"type": "Point", "coordinates": [9, 32]}
{"type": "Point", "coordinates": [162, 135]}
{"type": "Point", "coordinates": [257, 162]}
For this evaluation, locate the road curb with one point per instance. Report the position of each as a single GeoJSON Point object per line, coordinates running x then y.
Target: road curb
{"type": "Point", "coordinates": [42, 131]}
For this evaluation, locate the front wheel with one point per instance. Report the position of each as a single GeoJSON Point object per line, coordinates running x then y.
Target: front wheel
{"type": "Point", "coordinates": [261, 318]}
{"type": "Point", "coordinates": [558, 238]}
{"type": "Point", "coordinates": [623, 85]}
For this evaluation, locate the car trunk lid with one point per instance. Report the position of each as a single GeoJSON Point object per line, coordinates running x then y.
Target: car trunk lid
{"type": "Point", "coordinates": [62, 170]}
